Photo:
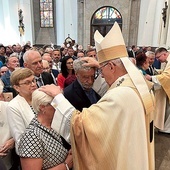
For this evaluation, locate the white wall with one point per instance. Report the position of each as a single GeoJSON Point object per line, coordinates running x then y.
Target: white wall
{"type": "Point", "coordinates": [150, 23]}
{"type": "Point", "coordinates": [66, 20]}
{"type": "Point", "coordinates": [9, 21]}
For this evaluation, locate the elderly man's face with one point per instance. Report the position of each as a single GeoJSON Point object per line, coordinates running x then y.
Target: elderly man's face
{"type": "Point", "coordinates": [3, 70]}
{"type": "Point", "coordinates": [48, 58]}
{"type": "Point", "coordinates": [151, 59]}
{"type": "Point", "coordinates": [108, 72]}
{"type": "Point", "coordinates": [35, 63]}
{"type": "Point", "coordinates": [13, 63]}
{"type": "Point", "coordinates": [86, 77]}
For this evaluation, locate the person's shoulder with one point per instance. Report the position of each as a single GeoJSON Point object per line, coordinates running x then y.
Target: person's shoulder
{"type": "Point", "coordinates": [68, 88]}
{"type": "Point", "coordinates": [4, 103]}
{"type": "Point", "coordinates": [3, 107]}
{"type": "Point", "coordinates": [60, 75]}
{"type": "Point", "coordinates": [15, 101]}
{"type": "Point", "coordinates": [32, 129]}
{"type": "Point", "coordinates": [45, 74]}
{"type": "Point", "coordinates": [121, 92]}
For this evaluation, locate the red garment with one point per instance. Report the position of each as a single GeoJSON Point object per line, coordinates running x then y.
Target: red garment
{"type": "Point", "coordinates": [60, 80]}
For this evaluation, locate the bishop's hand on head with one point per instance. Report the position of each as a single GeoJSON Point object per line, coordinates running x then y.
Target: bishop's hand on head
{"type": "Point", "coordinates": [51, 90]}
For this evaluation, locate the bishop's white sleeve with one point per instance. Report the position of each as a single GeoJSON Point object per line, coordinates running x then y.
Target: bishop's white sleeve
{"type": "Point", "coordinates": [62, 117]}
{"type": "Point", "coordinates": [157, 84]}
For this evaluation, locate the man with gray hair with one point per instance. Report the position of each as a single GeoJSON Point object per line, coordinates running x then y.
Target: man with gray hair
{"type": "Point", "coordinates": [80, 93]}
{"type": "Point", "coordinates": [32, 60]}
{"type": "Point", "coordinates": [12, 63]}
{"type": "Point", "coordinates": [151, 58]}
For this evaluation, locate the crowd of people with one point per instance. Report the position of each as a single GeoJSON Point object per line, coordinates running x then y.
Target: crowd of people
{"type": "Point", "coordinates": [71, 109]}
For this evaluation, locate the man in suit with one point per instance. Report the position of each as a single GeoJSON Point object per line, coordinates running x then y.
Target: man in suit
{"type": "Point", "coordinates": [12, 63]}
{"type": "Point", "coordinates": [56, 57]}
{"type": "Point", "coordinates": [46, 56]}
{"type": "Point", "coordinates": [32, 60]}
{"type": "Point", "coordinates": [80, 93]}
{"type": "Point", "coordinates": [132, 52]}
{"type": "Point", "coordinates": [151, 57]}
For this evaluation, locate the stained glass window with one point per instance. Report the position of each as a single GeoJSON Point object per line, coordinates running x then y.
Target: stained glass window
{"type": "Point", "coordinates": [103, 20]}
{"type": "Point", "coordinates": [106, 15]}
{"type": "Point", "coordinates": [46, 13]}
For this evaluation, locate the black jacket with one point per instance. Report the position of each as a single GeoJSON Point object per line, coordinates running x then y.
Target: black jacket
{"type": "Point", "coordinates": [77, 97]}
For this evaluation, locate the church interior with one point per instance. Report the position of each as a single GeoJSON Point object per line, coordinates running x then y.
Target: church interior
{"type": "Point", "coordinates": [143, 22]}
{"type": "Point", "coordinates": [55, 22]}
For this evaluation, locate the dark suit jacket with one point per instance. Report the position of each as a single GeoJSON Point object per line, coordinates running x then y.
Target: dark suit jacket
{"type": "Point", "coordinates": [55, 72]}
{"type": "Point", "coordinates": [77, 97]}
{"type": "Point", "coordinates": [130, 54]}
{"type": "Point", "coordinates": [150, 71]}
{"type": "Point", "coordinates": [2, 165]}
{"type": "Point", "coordinates": [47, 78]}
{"type": "Point", "coordinates": [7, 84]}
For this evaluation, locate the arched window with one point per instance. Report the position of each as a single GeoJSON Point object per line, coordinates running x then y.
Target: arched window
{"type": "Point", "coordinates": [103, 19]}
{"type": "Point", "coordinates": [46, 13]}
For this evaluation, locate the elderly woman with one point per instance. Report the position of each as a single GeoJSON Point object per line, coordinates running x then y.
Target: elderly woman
{"type": "Point", "coordinates": [19, 110]}
{"type": "Point", "coordinates": [142, 62]}
{"type": "Point", "coordinates": [40, 146]}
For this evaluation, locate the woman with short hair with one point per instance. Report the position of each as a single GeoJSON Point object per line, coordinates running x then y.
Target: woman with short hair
{"type": "Point", "coordinates": [40, 146]}
{"type": "Point", "coordinates": [19, 109]}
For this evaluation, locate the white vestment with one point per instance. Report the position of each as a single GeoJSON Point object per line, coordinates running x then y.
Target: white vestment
{"type": "Point", "coordinates": [162, 90]}
{"type": "Point", "coordinates": [111, 134]}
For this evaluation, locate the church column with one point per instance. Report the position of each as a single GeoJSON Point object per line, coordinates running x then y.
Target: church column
{"type": "Point", "coordinates": [157, 25]}
{"type": "Point", "coordinates": [81, 21]}
{"type": "Point", "coordinates": [66, 16]}
{"type": "Point", "coordinates": [146, 22]}
{"type": "Point", "coordinates": [70, 14]}
{"type": "Point", "coordinates": [60, 26]}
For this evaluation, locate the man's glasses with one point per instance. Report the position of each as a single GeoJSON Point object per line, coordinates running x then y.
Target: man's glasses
{"type": "Point", "coordinates": [28, 82]}
{"type": "Point", "coordinates": [100, 68]}
{"type": "Point", "coordinates": [157, 57]}
{"type": "Point", "coordinates": [104, 65]}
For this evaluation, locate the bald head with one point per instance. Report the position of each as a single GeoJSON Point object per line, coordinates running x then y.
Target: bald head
{"type": "Point", "coordinates": [32, 60]}
{"type": "Point", "coordinates": [47, 57]}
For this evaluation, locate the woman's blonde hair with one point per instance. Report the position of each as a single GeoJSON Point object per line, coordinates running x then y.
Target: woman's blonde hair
{"type": "Point", "coordinates": [40, 98]}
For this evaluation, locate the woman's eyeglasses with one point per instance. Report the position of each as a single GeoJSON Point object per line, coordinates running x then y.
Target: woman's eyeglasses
{"type": "Point", "coordinates": [28, 82]}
